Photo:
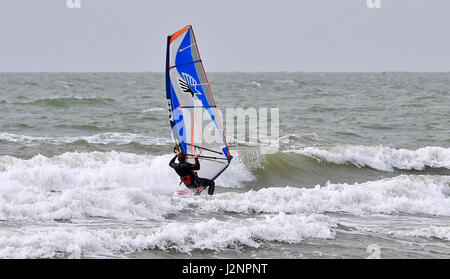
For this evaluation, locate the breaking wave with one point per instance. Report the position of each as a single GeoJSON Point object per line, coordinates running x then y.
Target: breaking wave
{"type": "Point", "coordinates": [128, 186]}
{"type": "Point", "coordinates": [135, 193]}
{"type": "Point", "coordinates": [415, 194]}
{"type": "Point", "coordinates": [183, 237]}
{"type": "Point", "coordinates": [97, 184]}
{"type": "Point", "coordinates": [103, 138]}
{"type": "Point", "coordinates": [380, 157]}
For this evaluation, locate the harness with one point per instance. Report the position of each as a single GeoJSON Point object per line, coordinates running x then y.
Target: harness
{"type": "Point", "coordinates": [187, 180]}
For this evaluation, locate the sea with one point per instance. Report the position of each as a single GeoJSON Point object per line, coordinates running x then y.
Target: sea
{"type": "Point", "coordinates": [361, 170]}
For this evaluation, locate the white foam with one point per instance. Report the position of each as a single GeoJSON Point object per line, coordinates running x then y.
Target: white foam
{"type": "Point", "coordinates": [380, 157]}
{"type": "Point", "coordinates": [233, 233]}
{"type": "Point", "coordinates": [107, 184]}
{"type": "Point", "coordinates": [254, 83]}
{"type": "Point", "coordinates": [402, 194]}
{"type": "Point", "coordinates": [183, 237]}
{"type": "Point", "coordinates": [128, 186]}
{"type": "Point", "coordinates": [152, 110]}
{"type": "Point", "coordinates": [78, 185]}
{"type": "Point", "coordinates": [103, 138]}
{"type": "Point", "coordinates": [236, 174]}
{"type": "Point", "coordinates": [437, 232]}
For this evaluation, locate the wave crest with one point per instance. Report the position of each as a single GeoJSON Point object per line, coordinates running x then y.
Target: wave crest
{"type": "Point", "coordinates": [415, 194]}
{"type": "Point", "coordinates": [380, 157]}
{"type": "Point", "coordinates": [213, 235]}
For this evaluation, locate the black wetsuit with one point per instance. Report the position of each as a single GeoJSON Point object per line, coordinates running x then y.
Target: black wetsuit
{"type": "Point", "coordinates": [187, 169]}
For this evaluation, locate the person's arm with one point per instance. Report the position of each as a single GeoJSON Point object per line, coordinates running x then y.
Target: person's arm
{"type": "Point", "coordinates": [172, 162]}
{"type": "Point", "coordinates": [196, 166]}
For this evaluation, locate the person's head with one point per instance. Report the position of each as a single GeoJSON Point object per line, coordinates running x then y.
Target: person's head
{"type": "Point", "coordinates": [181, 157]}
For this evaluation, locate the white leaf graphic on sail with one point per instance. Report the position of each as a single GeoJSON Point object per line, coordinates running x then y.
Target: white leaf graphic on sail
{"type": "Point", "coordinates": [188, 84]}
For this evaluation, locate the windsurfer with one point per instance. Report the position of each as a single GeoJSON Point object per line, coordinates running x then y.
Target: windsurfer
{"type": "Point", "coordinates": [188, 173]}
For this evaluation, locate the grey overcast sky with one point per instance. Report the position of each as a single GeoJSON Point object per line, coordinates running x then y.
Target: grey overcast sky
{"type": "Point", "coordinates": [233, 35]}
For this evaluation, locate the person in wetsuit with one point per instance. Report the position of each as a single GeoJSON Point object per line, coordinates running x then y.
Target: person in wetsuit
{"type": "Point", "coordinates": [187, 173]}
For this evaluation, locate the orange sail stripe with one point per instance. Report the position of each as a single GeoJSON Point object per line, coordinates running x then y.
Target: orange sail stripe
{"type": "Point", "coordinates": [178, 33]}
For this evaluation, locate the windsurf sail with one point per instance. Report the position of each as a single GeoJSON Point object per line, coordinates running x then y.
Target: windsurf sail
{"type": "Point", "coordinates": [193, 114]}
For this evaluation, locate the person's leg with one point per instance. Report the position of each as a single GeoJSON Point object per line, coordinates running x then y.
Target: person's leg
{"type": "Point", "coordinates": [212, 185]}
{"type": "Point", "coordinates": [208, 183]}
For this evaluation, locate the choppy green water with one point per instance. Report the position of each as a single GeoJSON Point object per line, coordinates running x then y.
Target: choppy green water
{"type": "Point", "coordinates": [364, 159]}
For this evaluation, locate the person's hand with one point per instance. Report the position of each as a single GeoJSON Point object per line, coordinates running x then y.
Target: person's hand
{"type": "Point", "coordinates": [196, 156]}
{"type": "Point", "coordinates": [178, 153]}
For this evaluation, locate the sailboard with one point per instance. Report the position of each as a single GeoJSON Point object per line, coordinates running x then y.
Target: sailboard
{"type": "Point", "coordinates": [193, 114]}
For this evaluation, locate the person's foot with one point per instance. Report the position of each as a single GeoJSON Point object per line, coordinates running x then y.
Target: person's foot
{"type": "Point", "coordinates": [199, 190]}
